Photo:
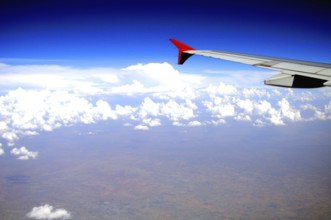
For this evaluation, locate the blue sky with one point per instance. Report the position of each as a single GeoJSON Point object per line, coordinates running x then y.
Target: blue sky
{"type": "Point", "coordinates": [82, 82]}
{"type": "Point", "coordinates": [110, 32]}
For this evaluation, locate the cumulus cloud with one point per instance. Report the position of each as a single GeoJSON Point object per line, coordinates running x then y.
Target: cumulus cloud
{"type": "Point", "coordinates": [327, 108]}
{"type": "Point", "coordinates": [288, 111]}
{"type": "Point", "coordinates": [251, 92]}
{"type": "Point", "coordinates": [218, 122]}
{"type": "Point", "coordinates": [104, 111]}
{"type": "Point", "coordinates": [9, 136]}
{"type": "Point", "coordinates": [263, 107]}
{"type": "Point", "coordinates": [1, 150]}
{"type": "Point", "coordinates": [149, 107]}
{"type": "Point", "coordinates": [221, 110]}
{"type": "Point", "coordinates": [175, 111]}
{"type": "Point", "coordinates": [48, 212]}
{"type": "Point", "coordinates": [26, 112]}
{"type": "Point", "coordinates": [138, 78]}
{"type": "Point", "coordinates": [143, 95]}
{"type": "Point", "coordinates": [141, 127]}
{"type": "Point", "coordinates": [220, 107]}
{"type": "Point", "coordinates": [152, 122]}
{"type": "Point", "coordinates": [221, 89]}
{"type": "Point", "coordinates": [131, 89]}
{"type": "Point", "coordinates": [24, 154]}
{"type": "Point", "coordinates": [242, 117]}
{"type": "Point", "coordinates": [194, 124]}
{"type": "Point", "coordinates": [185, 93]}
{"type": "Point", "coordinates": [171, 109]}
{"type": "Point", "coordinates": [162, 74]}
{"type": "Point", "coordinates": [246, 105]}
{"type": "Point", "coordinates": [160, 79]}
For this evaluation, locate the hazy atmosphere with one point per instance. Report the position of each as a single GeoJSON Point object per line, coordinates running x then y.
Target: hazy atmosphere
{"type": "Point", "coordinates": [97, 120]}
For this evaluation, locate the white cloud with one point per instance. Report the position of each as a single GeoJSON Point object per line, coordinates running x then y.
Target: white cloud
{"type": "Point", "coordinates": [276, 92]}
{"type": "Point", "coordinates": [176, 112]}
{"type": "Point", "coordinates": [149, 107]}
{"type": "Point", "coordinates": [103, 74]}
{"type": "Point", "coordinates": [149, 93]}
{"type": "Point", "coordinates": [259, 123]}
{"type": "Point", "coordinates": [220, 107]}
{"type": "Point", "coordinates": [170, 109]}
{"type": "Point", "coordinates": [103, 109]}
{"type": "Point", "coordinates": [135, 88]}
{"type": "Point", "coordinates": [141, 127]}
{"type": "Point", "coordinates": [124, 111]}
{"type": "Point", "coordinates": [276, 119]}
{"type": "Point", "coordinates": [251, 92]}
{"type": "Point", "coordinates": [288, 112]}
{"type": "Point", "coordinates": [162, 77]}
{"type": "Point", "coordinates": [242, 117]}
{"type": "Point", "coordinates": [10, 136]}
{"type": "Point", "coordinates": [263, 107]}
{"type": "Point", "coordinates": [306, 96]}
{"type": "Point", "coordinates": [218, 122]}
{"type": "Point", "coordinates": [24, 154]}
{"type": "Point", "coordinates": [185, 93]}
{"type": "Point", "coordinates": [226, 110]}
{"type": "Point", "coordinates": [246, 105]}
{"type": "Point", "coordinates": [327, 108]}
{"type": "Point", "coordinates": [155, 73]}
{"type": "Point", "coordinates": [48, 212]}
{"type": "Point", "coordinates": [194, 124]}
{"type": "Point", "coordinates": [152, 122]}
{"type": "Point", "coordinates": [26, 112]}
{"type": "Point", "coordinates": [3, 126]}
{"type": "Point", "coordinates": [1, 150]}
{"type": "Point", "coordinates": [221, 89]}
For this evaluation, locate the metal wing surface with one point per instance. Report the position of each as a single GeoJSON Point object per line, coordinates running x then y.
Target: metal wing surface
{"type": "Point", "coordinates": [293, 73]}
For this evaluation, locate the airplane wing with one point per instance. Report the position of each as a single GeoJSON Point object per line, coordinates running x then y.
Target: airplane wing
{"type": "Point", "coordinates": [293, 73]}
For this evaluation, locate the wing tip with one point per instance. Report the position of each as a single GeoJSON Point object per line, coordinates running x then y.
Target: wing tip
{"type": "Point", "coordinates": [182, 56]}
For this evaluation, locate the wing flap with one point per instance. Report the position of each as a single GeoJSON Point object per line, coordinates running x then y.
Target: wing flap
{"type": "Point", "coordinates": [296, 81]}
{"type": "Point", "coordinates": [283, 80]}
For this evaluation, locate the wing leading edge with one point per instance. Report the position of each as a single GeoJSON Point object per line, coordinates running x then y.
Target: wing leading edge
{"type": "Point", "coordinates": [293, 73]}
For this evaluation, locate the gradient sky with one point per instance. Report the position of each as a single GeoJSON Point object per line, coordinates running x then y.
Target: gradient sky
{"type": "Point", "coordinates": [92, 98]}
{"type": "Point", "coordinates": [110, 32]}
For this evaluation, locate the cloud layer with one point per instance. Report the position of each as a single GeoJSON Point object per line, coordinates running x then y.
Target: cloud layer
{"type": "Point", "coordinates": [142, 96]}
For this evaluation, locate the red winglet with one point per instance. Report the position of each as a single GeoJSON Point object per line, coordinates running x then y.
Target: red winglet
{"type": "Point", "coordinates": [182, 56]}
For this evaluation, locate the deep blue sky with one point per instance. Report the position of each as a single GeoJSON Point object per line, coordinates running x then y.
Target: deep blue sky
{"type": "Point", "coordinates": [119, 33]}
